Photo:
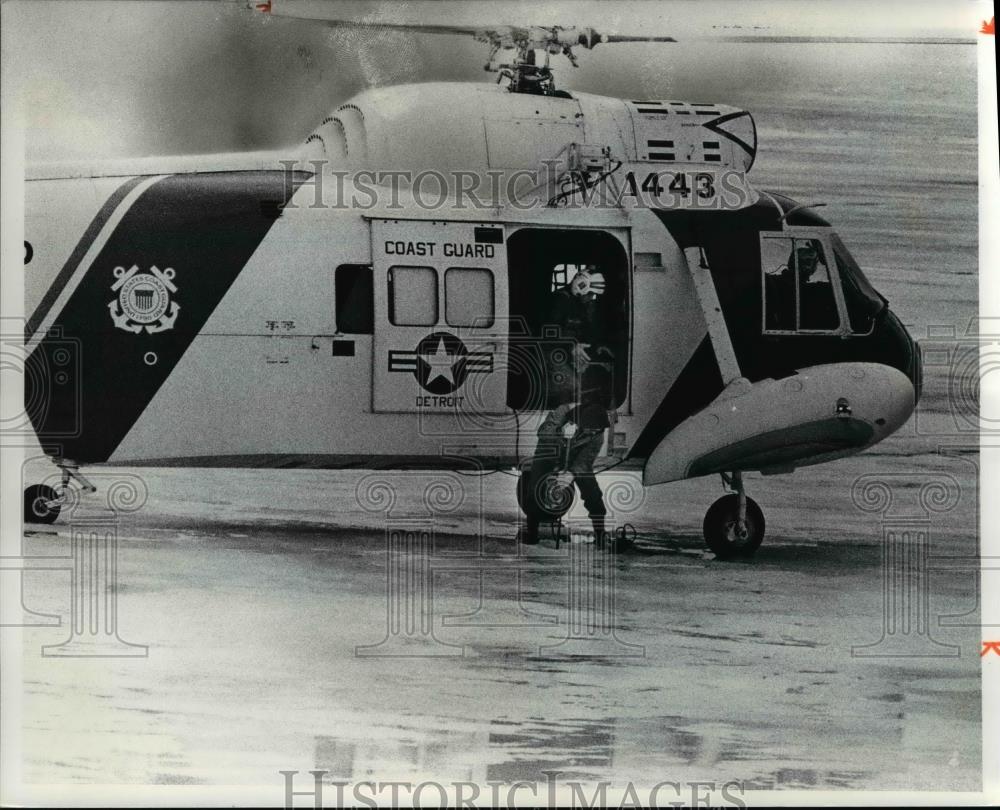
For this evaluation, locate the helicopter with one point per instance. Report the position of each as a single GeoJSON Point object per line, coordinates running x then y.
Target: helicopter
{"type": "Point", "coordinates": [243, 314]}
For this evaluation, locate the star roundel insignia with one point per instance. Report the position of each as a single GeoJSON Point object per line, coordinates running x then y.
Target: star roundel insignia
{"type": "Point", "coordinates": [441, 363]}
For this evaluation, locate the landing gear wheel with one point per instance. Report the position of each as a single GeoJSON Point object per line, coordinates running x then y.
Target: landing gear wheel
{"type": "Point", "coordinates": [36, 504]}
{"type": "Point", "coordinates": [725, 536]}
{"type": "Point", "coordinates": [547, 500]}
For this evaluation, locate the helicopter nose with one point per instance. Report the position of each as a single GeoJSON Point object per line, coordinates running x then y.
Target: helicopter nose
{"type": "Point", "coordinates": [917, 375]}
{"type": "Point", "coordinates": [898, 403]}
{"type": "Point", "coordinates": [901, 351]}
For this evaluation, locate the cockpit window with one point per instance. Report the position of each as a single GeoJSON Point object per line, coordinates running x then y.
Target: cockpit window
{"type": "Point", "coordinates": [862, 299]}
{"type": "Point", "coordinates": [798, 288]}
{"type": "Point", "coordinates": [780, 299]}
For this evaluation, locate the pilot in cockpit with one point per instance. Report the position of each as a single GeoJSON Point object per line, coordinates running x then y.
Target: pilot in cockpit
{"type": "Point", "coordinates": [800, 292]}
{"type": "Point", "coordinates": [817, 306]}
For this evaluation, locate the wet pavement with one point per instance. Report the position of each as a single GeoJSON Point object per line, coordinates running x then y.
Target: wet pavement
{"type": "Point", "coordinates": [282, 634]}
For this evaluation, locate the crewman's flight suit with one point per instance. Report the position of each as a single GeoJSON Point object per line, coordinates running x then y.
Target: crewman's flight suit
{"type": "Point", "coordinates": [590, 382]}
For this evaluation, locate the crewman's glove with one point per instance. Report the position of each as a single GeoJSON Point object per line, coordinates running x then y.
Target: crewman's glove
{"type": "Point", "coordinates": [563, 479]}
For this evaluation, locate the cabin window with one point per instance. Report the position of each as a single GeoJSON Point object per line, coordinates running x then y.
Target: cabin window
{"type": "Point", "coordinates": [798, 287]}
{"type": "Point", "coordinates": [413, 296]}
{"type": "Point", "coordinates": [468, 297]}
{"type": "Point", "coordinates": [355, 300]}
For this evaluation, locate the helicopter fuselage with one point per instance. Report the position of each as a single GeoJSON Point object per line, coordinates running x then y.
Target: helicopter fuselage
{"type": "Point", "coordinates": [239, 318]}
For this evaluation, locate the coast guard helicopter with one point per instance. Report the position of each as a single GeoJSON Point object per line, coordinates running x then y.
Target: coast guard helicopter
{"type": "Point", "coordinates": [263, 313]}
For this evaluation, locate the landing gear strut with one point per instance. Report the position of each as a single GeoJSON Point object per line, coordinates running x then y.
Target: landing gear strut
{"type": "Point", "coordinates": [734, 524]}
{"type": "Point", "coordinates": [42, 503]}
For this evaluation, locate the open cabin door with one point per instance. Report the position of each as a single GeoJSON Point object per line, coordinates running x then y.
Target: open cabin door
{"type": "Point", "coordinates": [441, 306]}
{"type": "Point", "coordinates": [542, 261]}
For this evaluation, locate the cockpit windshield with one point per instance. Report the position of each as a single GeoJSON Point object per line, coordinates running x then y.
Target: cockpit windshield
{"type": "Point", "coordinates": [863, 301]}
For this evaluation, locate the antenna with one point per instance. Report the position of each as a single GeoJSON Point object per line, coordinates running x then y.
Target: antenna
{"type": "Point", "coordinates": [800, 207]}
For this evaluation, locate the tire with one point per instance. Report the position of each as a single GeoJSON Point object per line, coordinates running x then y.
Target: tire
{"type": "Point", "coordinates": [543, 501]}
{"type": "Point", "coordinates": [720, 528]}
{"type": "Point", "coordinates": [35, 509]}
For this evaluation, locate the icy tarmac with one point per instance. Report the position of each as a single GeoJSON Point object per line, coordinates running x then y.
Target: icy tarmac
{"type": "Point", "coordinates": [264, 598]}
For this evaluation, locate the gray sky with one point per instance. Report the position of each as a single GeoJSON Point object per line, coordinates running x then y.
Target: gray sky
{"type": "Point", "coordinates": [112, 78]}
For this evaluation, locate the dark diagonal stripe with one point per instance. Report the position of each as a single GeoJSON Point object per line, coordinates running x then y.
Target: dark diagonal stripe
{"type": "Point", "coordinates": [202, 227]}
{"type": "Point", "coordinates": [89, 235]}
{"type": "Point", "coordinates": [698, 383]}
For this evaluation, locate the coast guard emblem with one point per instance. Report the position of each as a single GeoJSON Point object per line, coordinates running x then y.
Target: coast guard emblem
{"type": "Point", "coordinates": [144, 300]}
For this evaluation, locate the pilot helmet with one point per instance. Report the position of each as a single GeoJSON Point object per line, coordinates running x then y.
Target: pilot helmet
{"type": "Point", "coordinates": [807, 253]}
{"type": "Point", "coordinates": [586, 282]}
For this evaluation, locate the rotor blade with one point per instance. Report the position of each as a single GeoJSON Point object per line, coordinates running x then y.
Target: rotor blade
{"type": "Point", "coordinates": [324, 12]}
{"type": "Point", "coordinates": [414, 27]}
{"type": "Point", "coordinates": [588, 38]}
{"type": "Point", "coordinates": [627, 38]}
{"type": "Point", "coordinates": [772, 39]}
{"type": "Point", "coordinates": [499, 35]}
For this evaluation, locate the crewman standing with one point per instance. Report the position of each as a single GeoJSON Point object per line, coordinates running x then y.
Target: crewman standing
{"type": "Point", "coordinates": [583, 396]}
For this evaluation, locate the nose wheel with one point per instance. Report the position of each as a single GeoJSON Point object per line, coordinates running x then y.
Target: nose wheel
{"type": "Point", "coordinates": [43, 503]}
{"type": "Point", "coordinates": [734, 524]}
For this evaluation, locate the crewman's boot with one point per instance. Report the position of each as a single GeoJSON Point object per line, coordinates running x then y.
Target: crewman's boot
{"type": "Point", "coordinates": [601, 537]}
{"type": "Point", "coordinates": [528, 534]}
